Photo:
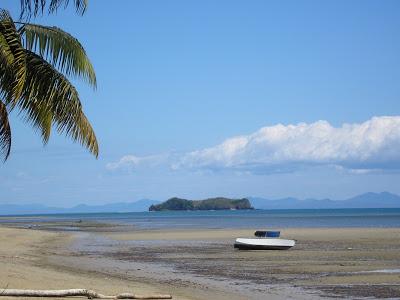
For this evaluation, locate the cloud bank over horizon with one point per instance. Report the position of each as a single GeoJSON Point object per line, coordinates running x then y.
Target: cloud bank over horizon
{"type": "Point", "coordinates": [359, 147]}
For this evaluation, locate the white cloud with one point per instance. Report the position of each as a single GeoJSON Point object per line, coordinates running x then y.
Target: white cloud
{"type": "Point", "coordinates": [359, 148]}
{"type": "Point", "coordinates": [130, 162]}
{"type": "Point", "coordinates": [374, 144]}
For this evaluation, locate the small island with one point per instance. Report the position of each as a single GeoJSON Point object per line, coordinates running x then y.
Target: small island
{"type": "Point", "coordinates": [219, 203]}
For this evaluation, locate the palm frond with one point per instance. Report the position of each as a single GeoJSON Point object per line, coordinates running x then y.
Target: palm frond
{"type": "Point", "coordinates": [40, 88]}
{"type": "Point", "coordinates": [5, 132]}
{"type": "Point", "coordinates": [36, 7]}
{"type": "Point", "coordinates": [59, 48]}
{"type": "Point", "coordinates": [13, 57]}
{"type": "Point", "coordinates": [49, 98]}
{"type": "Point", "coordinates": [39, 114]}
{"type": "Point", "coordinates": [82, 132]}
{"type": "Point", "coordinates": [80, 5]}
{"type": "Point", "coordinates": [6, 56]}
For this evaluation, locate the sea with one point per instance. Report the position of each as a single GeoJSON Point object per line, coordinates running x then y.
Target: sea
{"type": "Point", "coordinates": [230, 219]}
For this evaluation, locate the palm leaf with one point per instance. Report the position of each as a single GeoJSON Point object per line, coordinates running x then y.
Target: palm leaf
{"type": "Point", "coordinates": [39, 114]}
{"type": "Point", "coordinates": [35, 7]}
{"type": "Point", "coordinates": [43, 94]}
{"type": "Point", "coordinates": [6, 56]}
{"type": "Point", "coordinates": [13, 57]}
{"type": "Point", "coordinates": [5, 131]}
{"type": "Point", "coordinates": [49, 98]}
{"type": "Point", "coordinates": [60, 49]}
{"type": "Point", "coordinates": [83, 132]}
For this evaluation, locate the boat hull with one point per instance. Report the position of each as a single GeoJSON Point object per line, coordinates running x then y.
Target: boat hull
{"type": "Point", "coordinates": [263, 244]}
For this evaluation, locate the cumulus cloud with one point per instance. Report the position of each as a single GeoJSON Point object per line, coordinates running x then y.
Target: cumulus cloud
{"type": "Point", "coordinates": [359, 148]}
{"type": "Point", "coordinates": [374, 144]}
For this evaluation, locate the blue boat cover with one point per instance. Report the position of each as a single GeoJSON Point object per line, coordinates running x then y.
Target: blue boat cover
{"type": "Point", "coordinates": [260, 233]}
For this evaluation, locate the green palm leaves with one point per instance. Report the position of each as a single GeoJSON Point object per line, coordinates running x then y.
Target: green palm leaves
{"type": "Point", "coordinates": [60, 49]}
{"type": "Point", "coordinates": [35, 61]}
{"type": "Point", "coordinates": [13, 55]}
{"type": "Point", "coordinates": [5, 131]}
{"type": "Point", "coordinates": [35, 7]}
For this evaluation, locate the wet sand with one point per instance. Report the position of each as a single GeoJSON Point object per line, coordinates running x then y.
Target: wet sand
{"type": "Point", "coordinates": [354, 262]}
{"type": "Point", "coordinates": [202, 264]}
{"type": "Point", "coordinates": [25, 256]}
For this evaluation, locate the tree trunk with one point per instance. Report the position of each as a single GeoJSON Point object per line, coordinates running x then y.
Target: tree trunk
{"type": "Point", "coordinates": [76, 292]}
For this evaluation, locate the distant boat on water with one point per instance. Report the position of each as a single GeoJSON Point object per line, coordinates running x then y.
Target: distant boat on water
{"type": "Point", "coordinates": [265, 240]}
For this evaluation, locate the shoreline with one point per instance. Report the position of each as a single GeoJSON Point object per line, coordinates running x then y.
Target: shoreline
{"type": "Point", "coordinates": [239, 219]}
{"type": "Point", "coordinates": [201, 263]}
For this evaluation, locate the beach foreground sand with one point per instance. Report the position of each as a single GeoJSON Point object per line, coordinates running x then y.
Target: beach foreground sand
{"type": "Point", "coordinates": [202, 264]}
{"type": "Point", "coordinates": [24, 264]}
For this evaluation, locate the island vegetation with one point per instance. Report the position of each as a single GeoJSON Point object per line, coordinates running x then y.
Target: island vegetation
{"type": "Point", "coordinates": [219, 203]}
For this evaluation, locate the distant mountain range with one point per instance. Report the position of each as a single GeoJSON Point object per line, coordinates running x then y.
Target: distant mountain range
{"type": "Point", "coordinates": [367, 200]}
{"type": "Point", "coordinates": [140, 205]}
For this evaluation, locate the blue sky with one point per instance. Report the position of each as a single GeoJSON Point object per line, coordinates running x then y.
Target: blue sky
{"type": "Point", "coordinates": [177, 80]}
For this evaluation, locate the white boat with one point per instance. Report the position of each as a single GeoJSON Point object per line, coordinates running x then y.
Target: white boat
{"type": "Point", "coordinates": [264, 242]}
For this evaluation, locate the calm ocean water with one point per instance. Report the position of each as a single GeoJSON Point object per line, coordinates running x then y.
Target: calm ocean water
{"type": "Point", "coordinates": [241, 218]}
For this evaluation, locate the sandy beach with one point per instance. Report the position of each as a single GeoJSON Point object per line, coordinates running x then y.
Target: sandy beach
{"type": "Point", "coordinates": [24, 264]}
{"type": "Point", "coordinates": [202, 264]}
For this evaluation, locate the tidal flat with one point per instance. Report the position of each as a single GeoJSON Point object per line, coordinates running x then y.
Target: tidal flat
{"type": "Point", "coordinates": [202, 263]}
{"type": "Point", "coordinates": [327, 262]}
